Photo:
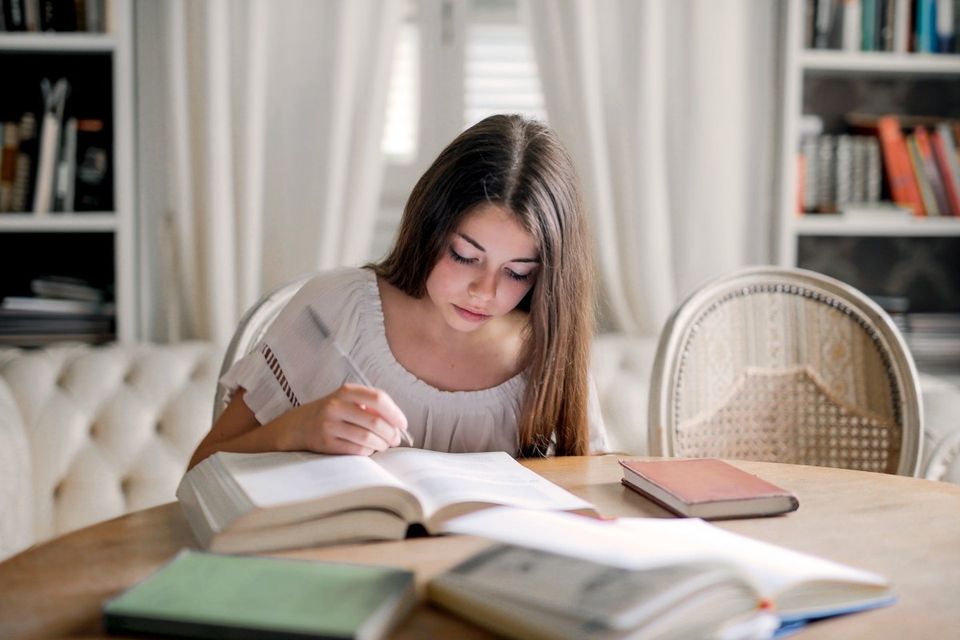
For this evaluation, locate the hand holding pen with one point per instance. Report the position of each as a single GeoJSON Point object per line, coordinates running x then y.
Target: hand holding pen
{"type": "Point", "coordinates": [351, 363]}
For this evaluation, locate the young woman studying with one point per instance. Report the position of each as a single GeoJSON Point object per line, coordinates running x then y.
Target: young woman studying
{"type": "Point", "coordinates": [473, 333]}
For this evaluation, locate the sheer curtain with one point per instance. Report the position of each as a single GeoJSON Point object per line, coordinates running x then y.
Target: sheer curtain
{"type": "Point", "coordinates": [260, 149]}
{"type": "Point", "coordinates": [668, 110]}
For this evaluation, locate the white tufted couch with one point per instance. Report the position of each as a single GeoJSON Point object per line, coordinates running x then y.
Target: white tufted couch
{"type": "Point", "coordinates": [91, 433]}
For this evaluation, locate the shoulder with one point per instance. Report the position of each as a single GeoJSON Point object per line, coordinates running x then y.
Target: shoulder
{"type": "Point", "coordinates": [338, 296]}
{"type": "Point", "coordinates": [330, 292]}
{"type": "Point", "coordinates": [342, 281]}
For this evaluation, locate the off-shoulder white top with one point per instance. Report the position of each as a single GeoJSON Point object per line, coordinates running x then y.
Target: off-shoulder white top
{"type": "Point", "coordinates": [294, 365]}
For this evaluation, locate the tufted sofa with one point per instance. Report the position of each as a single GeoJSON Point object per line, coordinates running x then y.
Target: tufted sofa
{"type": "Point", "coordinates": [91, 433]}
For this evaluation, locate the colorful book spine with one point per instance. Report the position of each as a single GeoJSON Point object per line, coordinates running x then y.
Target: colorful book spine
{"type": "Point", "coordinates": [896, 159]}
{"type": "Point", "coordinates": [923, 181]}
{"type": "Point", "coordinates": [945, 152]}
{"type": "Point", "coordinates": [937, 186]}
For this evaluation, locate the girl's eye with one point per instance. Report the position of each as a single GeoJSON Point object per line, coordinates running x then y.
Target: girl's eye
{"type": "Point", "coordinates": [459, 258]}
{"type": "Point", "coordinates": [520, 277]}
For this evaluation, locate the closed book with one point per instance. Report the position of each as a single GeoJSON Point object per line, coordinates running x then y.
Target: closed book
{"type": "Point", "coordinates": [706, 488]}
{"type": "Point", "coordinates": [206, 595]}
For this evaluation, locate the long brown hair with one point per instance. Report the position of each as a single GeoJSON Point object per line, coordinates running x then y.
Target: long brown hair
{"type": "Point", "coordinates": [519, 164]}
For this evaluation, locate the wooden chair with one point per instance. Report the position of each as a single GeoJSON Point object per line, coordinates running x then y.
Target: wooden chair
{"type": "Point", "coordinates": [785, 365]}
{"type": "Point", "coordinates": [250, 330]}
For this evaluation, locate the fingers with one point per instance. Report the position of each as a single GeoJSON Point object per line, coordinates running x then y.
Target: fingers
{"type": "Point", "coordinates": [355, 420]}
{"type": "Point", "coordinates": [362, 425]}
{"type": "Point", "coordinates": [375, 400]}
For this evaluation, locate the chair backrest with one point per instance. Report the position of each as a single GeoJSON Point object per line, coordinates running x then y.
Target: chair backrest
{"type": "Point", "coordinates": [251, 328]}
{"type": "Point", "coordinates": [785, 365]}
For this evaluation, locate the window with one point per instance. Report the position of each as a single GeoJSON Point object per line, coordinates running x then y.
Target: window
{"type": "Point", "coordinates": [500, 70]}
{"type": "Point", "coordinates": [455, 62]}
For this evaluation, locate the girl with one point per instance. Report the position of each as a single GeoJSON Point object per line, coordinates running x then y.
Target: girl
{"type": "Point", "coordinates": [474, 332]}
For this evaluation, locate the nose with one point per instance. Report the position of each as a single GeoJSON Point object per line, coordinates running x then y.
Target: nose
{"type": "Point", "coordinates": [484, 286]}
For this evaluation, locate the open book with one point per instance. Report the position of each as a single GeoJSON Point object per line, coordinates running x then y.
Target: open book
{"type": "Point", "coordinates": [640, 578]}
{"type": "Point", "coordinates": [237, 502]}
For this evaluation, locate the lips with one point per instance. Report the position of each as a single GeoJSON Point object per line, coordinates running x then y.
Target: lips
{"type": "Point", "coordinates": [471, 316]}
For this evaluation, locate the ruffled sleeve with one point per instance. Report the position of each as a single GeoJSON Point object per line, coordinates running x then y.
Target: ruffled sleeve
{"type": "Point", "coordinates": [282, 370]}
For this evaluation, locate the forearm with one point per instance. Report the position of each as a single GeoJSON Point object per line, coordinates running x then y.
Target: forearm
{"type": "Point", "coordinates": [237, 430]}
{"type": "Point", "coordinates": [268, 437]}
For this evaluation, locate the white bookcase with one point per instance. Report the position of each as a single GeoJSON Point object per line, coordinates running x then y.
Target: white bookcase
{"type": "Point", "coordinates": [800, 66]}
{"type": "Point", "coordinates": [97, 244]}
{"type": "Point", "coordinates": [877, 254]}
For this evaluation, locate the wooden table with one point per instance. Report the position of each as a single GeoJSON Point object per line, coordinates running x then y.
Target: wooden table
{"type": "Point", "coordinates": [904, 528]}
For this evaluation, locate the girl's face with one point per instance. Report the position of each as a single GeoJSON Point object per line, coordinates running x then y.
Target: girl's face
{"type": "Point", "coordinates": [488, 266]}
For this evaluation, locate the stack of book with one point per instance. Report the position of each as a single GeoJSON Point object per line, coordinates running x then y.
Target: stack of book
{"type": "Point", "coordinates": [934, 338]}
{"type": "Point", "coordinates": [60, 309]}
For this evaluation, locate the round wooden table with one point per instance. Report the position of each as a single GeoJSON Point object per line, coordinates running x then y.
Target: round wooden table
{"type": "Point", "coordinates": [906, 529]}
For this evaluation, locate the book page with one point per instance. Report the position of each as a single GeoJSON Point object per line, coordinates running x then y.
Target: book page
{"type": "Point", "coordinates": [639, 543]}
{"type": "Point", "coordinates": [272, 479]}
{"type": "Point", "coordinates": [442, 480]}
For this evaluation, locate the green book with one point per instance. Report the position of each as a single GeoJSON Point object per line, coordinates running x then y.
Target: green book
{"type": "Point", "coordinates": [208, 595]}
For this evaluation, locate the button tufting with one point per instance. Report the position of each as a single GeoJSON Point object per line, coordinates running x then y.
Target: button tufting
{"type": "Point", "coordinates": [58, 490]}
{"type": "Point", "coordinates": [125, 485]}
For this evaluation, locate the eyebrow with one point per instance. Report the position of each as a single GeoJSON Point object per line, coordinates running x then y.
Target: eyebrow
{"type": "Point", "coordinates": [481, 248]}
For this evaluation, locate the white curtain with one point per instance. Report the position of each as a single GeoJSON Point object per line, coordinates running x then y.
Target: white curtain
{"type": "Point", "coordinates": [667, 107]}
{"type": "Point", "coordinates": [270, 116]}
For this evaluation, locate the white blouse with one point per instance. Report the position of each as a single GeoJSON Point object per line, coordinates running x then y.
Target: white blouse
{"type": "Point", "coordinates": [294, 365]}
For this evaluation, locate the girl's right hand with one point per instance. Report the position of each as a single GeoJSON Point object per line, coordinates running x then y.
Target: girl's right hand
{"type": "Point", "coordinates": [354, 420]}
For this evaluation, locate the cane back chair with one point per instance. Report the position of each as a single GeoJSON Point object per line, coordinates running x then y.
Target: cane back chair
{"type": "Point", "coordinates": [251, 328]}
{"type": "Point", "coordinates": [785, 365]}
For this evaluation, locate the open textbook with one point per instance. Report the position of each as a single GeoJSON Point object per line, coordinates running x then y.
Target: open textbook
{"type": "Point", "coordinates": [238, 502]}
{"type": "Point", "coordinates": [641, 578]}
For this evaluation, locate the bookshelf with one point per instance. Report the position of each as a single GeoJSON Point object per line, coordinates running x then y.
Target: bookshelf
{"type": "Point", "coordinates": [93, 238]}
{"type": "Point", "coordinates": [899, 257]}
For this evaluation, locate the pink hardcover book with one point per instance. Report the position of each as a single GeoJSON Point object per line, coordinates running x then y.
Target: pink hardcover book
{"type": "Point", "coordinates": [706, 488]}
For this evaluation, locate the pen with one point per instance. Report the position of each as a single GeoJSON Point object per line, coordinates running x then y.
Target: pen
{"type": "Point", "coordinates": [354, 369]}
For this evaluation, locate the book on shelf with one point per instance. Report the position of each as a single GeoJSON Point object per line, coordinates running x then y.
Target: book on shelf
{"type": "Point", "coordinates": [93, 182]}
{"type": "Point", "coordinates": [254, 502]}
{"type": "Point", "coordinates": [206, 595]}
{"type": "Point", "coordinates": [948, 162]}
{"type": "Point", "coordinates": [53, 15]}
{"type": "Point", "coordinates": [54, 98]}
{"type": "Point", "coordinates": [66, 168]}
{"type": "Point", "coordinates": [25, 168]}
{"type": "Point", "coordinates": [836, 170]}
{"type": "Point", "coordinates": [877, 25]}
{"type": "Point", "coordinates": [898, 165]}
{"type": "Point", "coordinates": [641, 578]}
{"type": "Point", "coordinates": [706, 488]}
{"type": "Point", "coordinates": [932, 171]}
{"type": "Point", "coordinates": [9, 145]}
{"type": "Point", "coordinates": [930, 203]}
